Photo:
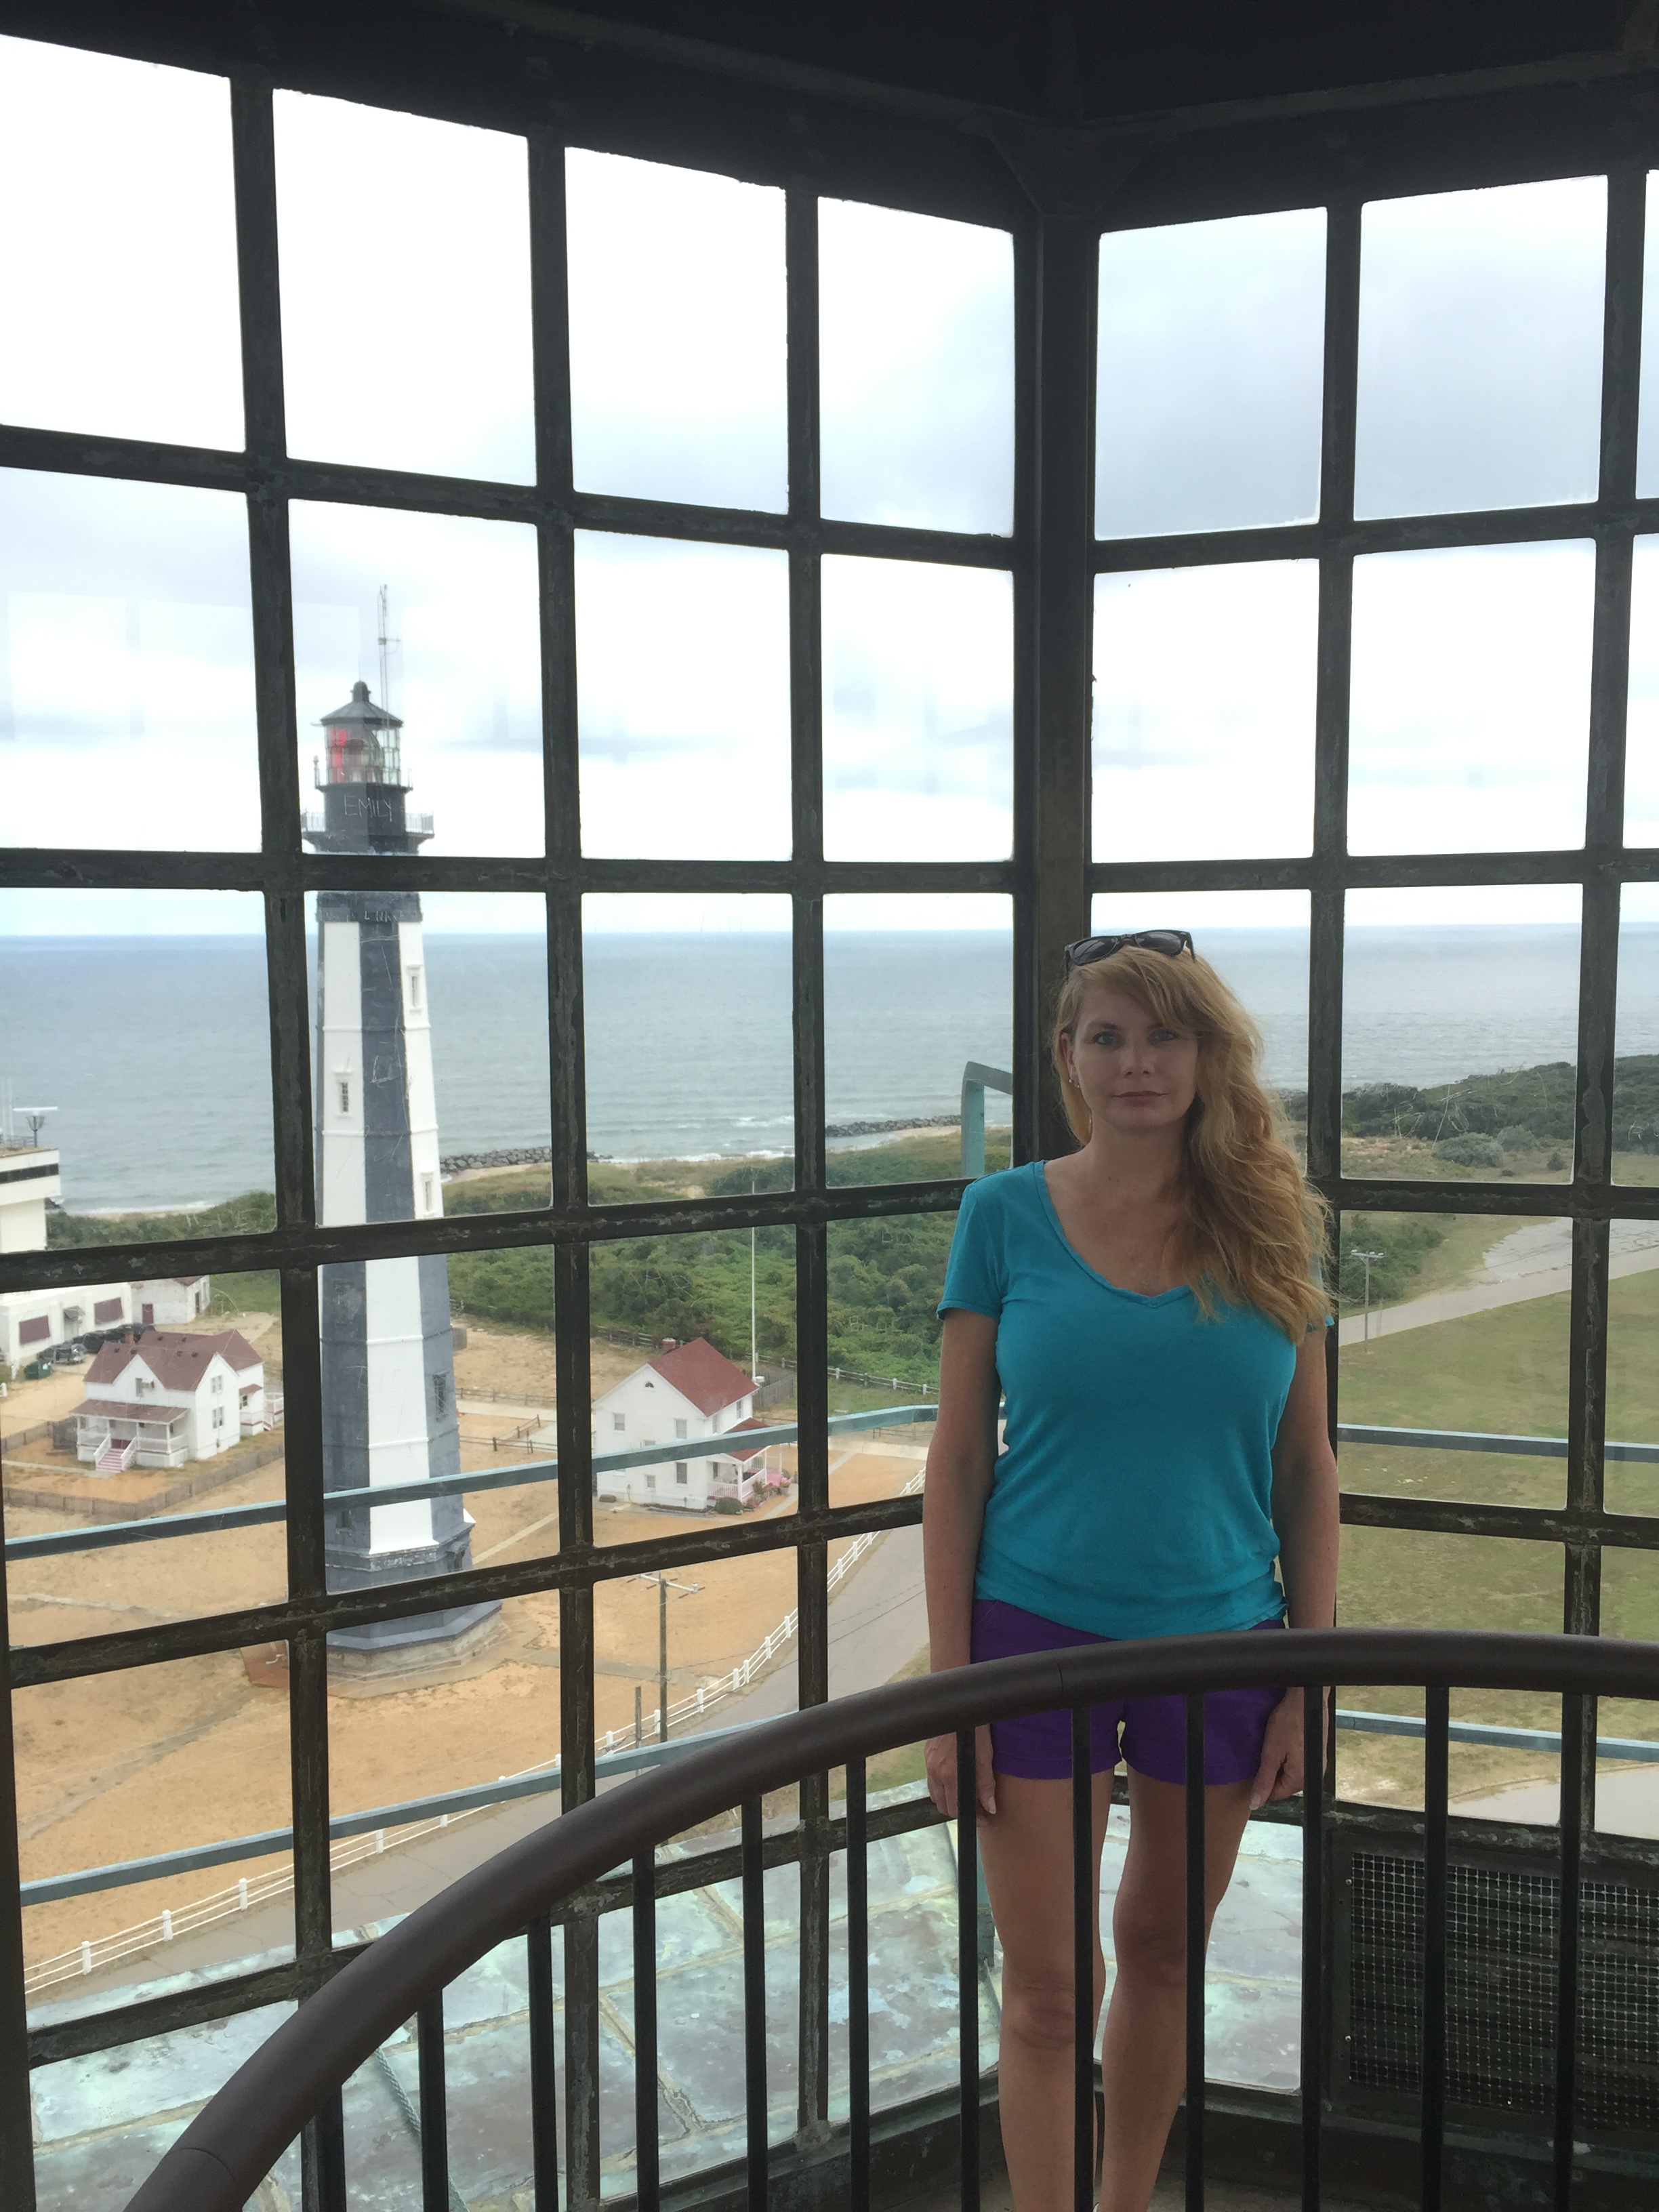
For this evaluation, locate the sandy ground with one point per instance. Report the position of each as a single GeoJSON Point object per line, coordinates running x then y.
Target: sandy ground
{"type": "Point", "coordinates": [153, 1759]}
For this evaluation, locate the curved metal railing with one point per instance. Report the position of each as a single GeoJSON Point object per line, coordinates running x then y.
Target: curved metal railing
{"type": "Point", "coordinates": [220, 2159]}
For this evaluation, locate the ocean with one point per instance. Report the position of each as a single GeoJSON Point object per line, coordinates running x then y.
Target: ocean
{"type": "Point", "coordinates": [153, 1051]}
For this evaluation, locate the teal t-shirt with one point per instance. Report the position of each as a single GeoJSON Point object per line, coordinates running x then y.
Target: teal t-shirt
{"type": "Point", "coordinates": [1132, 1495]}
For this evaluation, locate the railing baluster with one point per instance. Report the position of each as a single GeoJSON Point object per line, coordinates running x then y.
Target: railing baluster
{"type": "Point", "coordinates": [1083, 1910]}
{"type": "Point", "coordinates": [754, 2003]}
{"type": "Point", "coordinates": [433, 2107]}
{"type": "Point", "coordinates": [1574, 1751]}
{"type": "Point", "coordinates": [968, 1961]}
{"type": "Point", "coordinates": [858, 1989]}
{"type": "Point", "coordinates": [1437, 1713]}
{"type": "Point", "coordinates": [1195, 1952]}
{"type": "Point", "coordinates": [645, 2030]}
{"type": "Point", "coordinates": [544, 2080]}
{"type": "Point", "coordinates": [1313, 1938]}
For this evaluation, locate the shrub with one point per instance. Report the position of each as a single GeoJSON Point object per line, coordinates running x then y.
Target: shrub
{"type": "Point", "coordinates": [1471, 1152]}
{"type": "Point", "coordinates": [1516, 1139]}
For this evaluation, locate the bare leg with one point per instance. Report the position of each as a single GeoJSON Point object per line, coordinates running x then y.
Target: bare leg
{"type": "Point", "coordinates": [1144, 2054]}
{"type": "Point", "coordinates": [1026, 1847]}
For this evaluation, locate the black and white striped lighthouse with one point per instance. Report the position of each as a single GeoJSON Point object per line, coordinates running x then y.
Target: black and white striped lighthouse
{"type": "Point", "coordinates": [388, 1350]}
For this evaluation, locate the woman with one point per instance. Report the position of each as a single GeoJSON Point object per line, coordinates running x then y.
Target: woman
{"type": "Point", "coordinates": [1149, 1309]}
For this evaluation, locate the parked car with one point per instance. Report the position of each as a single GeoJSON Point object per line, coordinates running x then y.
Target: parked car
{"type": "Point", "coordinates": [71, 1354]}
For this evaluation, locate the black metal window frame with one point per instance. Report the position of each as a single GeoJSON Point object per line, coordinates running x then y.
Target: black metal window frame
{"type": "Point", "coordinates": [1053, 189]}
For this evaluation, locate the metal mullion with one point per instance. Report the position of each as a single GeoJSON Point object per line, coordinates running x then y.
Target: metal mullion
{"type": "Point", "coordinates": [16, 2110]}
{"type": "Point", "coordinates": [93, 1263]}
{"type": "Point", "coordinates": [561, 750]}
{"type": "Point", "coordinates": [1330, 823]}
{"type": "Point", "coordinates": [576, 1779]}
{"type": "Point", "coordinates": [812, 1452]}
{"type": "Point", "coordinates": [1055, 843]}
{"type": "Point", "coordinates": [271, 583]}
{"type": "Point", "coordinates": [565, 1571]}
{"type": "Point", "coordinates": [1031, 984]}
{"type": "Point", "coordinates": [1444, 1517]}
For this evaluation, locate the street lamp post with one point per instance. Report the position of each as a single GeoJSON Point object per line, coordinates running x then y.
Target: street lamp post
{"type": "Point", "coordinates": [1366, 1258]}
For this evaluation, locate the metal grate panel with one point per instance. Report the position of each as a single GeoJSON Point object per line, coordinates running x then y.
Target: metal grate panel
{"type": "Point", "coordinates": [1500, 1994]}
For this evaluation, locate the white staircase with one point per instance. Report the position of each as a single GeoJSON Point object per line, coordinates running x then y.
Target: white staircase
{"type": "Point", "coordinates": [116, 1457]}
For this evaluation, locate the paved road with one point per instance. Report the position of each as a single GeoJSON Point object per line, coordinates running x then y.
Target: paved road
{"type": "Point", "coordinates": [1626, 1803]}
{"type": "Point", "coordinates": [1527, 1265]}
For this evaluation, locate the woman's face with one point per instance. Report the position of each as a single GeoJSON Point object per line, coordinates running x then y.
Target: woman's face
{"type": "Point", "coordinates": [1134, 1074]}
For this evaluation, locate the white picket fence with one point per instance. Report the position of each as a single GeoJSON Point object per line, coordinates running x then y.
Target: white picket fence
{"type": "Point", "coordinates": [90, 1957]}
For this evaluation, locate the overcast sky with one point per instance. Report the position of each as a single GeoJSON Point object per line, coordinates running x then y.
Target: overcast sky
{"type": "Point", "coordinates": [126, 704]}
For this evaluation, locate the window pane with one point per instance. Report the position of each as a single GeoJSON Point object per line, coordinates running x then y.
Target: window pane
{"type": "Point", "coordinates": [661, 975]}
{"type": "Point", "coordinates": [1647, 455]}
{"type": "Point", "coordinates": [1460, 1033]}
{"type": "Point", "coordinates": [1407, 1578]}
{"type": "Point", "coordinates": [916, 354]}
{"type": "Point", "coordinates": [916, 992]}
{"type": "Point", "coordinates": [1257, 941]}
{"type": "Point", "coordinates": [1470, 711]}
{"type": "Point", "coordinates": [694, 1340]}
{"type": "Point", "coordinates": [1204, 711]}
{"type": "Point", "coordinates": [427, 364]}
{"type": "Point", "coordinates": [1630, 1607]}
{"type": "Point", "coordinates": [200, 1756]}
{"type": "Point", "coordinates": [102, 2121]}
{"type": "Point", "coordinates": [1480, 349]}
{"type": "Point", "coordinates": [169, 988]}
{"type": "Point", "coordinates": [1641, 729]}
{"type": "Point", "coordinates": [1455, 1322]}
{"type": "Point", "coordinates": [117, 178]}
{"type": "Point", "coordinates": [918, 711]}
{"type": "Point", "coordinates": [126, 685]}
{"type": "Point", "coordinates": [686, 743]}
{"type": "Point", "coordinates": [1211, 369]}
{"type": "Point", "coordinates": [676, 333]}
{"type": "Point", "coordinates": [143, 1401]}
{"type": "Point", "coordinates": [429, 1067]}
{"type": "Point", "coordinates": [1632, 1485]}
{"type": "Point", "coordinates": [455, 600]}
{"type": "Point", "coordinates": [886, 1279]}
{"type": "Point", "coordinates": [421, 1718]}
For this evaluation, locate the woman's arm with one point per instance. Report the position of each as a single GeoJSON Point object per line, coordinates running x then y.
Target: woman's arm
{"type": "Point", "coordinates": [960, 1463]}
{"type": "Point", "coordinates": [1306, 1515]}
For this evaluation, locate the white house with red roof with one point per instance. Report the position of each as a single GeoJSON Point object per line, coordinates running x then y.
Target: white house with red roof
{"type": "Point", "coordinates": [688, 1391]}
{"type": "Point", "coordinates": [163, 1397]}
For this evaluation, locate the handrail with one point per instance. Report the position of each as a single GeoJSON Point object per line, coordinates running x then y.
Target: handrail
{"type": "Point", "coordinates": [222, 2157]}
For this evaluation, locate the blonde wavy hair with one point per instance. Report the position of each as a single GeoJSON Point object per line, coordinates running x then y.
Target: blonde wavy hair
{"type": "Point", "coordinates": [1252, 1233]}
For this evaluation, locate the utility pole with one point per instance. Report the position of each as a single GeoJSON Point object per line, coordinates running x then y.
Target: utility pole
{"type": "Point", "coordinates": [1366, 1258]}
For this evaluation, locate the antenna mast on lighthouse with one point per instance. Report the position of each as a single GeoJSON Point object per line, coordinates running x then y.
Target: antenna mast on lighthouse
{"type": "Point", "coordinates": [385, 645]}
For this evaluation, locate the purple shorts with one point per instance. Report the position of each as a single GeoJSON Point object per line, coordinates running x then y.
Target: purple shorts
{"type": "Point", "coordinates": [1037, 1746]}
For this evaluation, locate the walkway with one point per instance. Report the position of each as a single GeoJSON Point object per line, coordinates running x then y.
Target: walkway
{"type": "Point", "coordinates": [1535, 1262]}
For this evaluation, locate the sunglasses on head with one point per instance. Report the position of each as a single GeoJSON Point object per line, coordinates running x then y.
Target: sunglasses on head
{"type": "Point", "coordinates": [1172, 942]}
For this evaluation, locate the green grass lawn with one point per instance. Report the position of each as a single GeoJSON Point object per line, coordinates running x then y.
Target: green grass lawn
{"type": "Point", "coordinates": [1504, 1371]}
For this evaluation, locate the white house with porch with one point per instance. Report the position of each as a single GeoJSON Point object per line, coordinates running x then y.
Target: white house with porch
{"type": "Point", "coordinates": [165, 1397]}
{"type": "Point", "coordinates": [686, 1392]}
{"type": "Point", "coordinates": [33, 1321]}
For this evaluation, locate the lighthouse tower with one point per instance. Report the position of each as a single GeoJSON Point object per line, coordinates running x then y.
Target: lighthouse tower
{"type": "Point", "coordinates": [388, 1358]}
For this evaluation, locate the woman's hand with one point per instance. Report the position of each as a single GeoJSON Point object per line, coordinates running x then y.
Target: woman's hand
{"type": "Point", "coordinates": [1280, 1772]}
{"type": "Point", "coordinates": [942, 1773]}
